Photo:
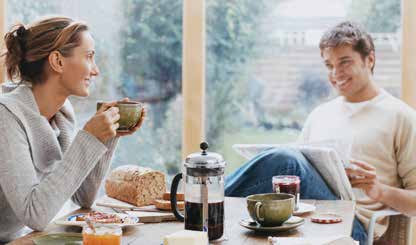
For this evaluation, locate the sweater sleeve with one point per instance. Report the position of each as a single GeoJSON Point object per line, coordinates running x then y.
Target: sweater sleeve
{"type": "Point", "coordinates": [37, 199]}
{"type": "Point", "coordinates": [86, 193]}
{"type": "Point", "coordinates": [405, 145]}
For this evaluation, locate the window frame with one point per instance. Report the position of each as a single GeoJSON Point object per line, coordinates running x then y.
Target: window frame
{"type": "Point", "coordinates": [408, 52]}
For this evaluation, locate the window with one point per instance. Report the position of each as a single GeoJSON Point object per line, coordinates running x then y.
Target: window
{"type": "Point", "coordinates": [139, 50]}
{"type": "Point", "coordinates": [264, 70]}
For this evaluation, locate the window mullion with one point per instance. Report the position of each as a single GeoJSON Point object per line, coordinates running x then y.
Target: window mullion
{"type": "Point", "coordinates": [193, 75]}
{"type": "Point", "coordinates": [409, 52]}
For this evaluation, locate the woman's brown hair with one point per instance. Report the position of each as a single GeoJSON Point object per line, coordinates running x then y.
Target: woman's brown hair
{"type": "Point", "coordinates": [28, 48]}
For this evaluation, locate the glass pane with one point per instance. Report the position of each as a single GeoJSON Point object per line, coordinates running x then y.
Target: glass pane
{"type": "Point", "coordinates": [139, 50]}
{"type": "Point", "coordinates": [264, 70]}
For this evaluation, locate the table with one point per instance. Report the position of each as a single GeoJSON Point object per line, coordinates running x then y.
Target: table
{"type": "Point", "coordinates": [235, 210]}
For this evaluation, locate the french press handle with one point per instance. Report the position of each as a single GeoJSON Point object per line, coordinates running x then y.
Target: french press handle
{"type": "Point", "coordinates": [173, 201]}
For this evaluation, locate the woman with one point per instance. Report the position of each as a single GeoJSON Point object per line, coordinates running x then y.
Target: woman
{"type": "Point", "coordinates": [43, 159]}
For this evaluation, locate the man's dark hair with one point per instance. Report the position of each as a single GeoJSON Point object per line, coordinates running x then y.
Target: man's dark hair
{"type": "Point", "coordinates": [348, 33]}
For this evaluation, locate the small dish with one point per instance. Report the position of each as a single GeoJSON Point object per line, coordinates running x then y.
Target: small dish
{"type": "Point", "coordinates": [59, 238]}
{"type": "Point", "coordinates": [290, 224]}
{"type": "Point", "coordinates": [326, 218]}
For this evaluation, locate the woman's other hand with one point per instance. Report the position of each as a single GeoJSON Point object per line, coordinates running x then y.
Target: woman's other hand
{"type": "Point", "coordinates": [103, 124]}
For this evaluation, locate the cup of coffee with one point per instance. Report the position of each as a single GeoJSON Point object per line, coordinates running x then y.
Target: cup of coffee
{"type": "Point", "coordinates": [289, 184]}
{"type": "Point", "coordinates": [271, 209]}
{"type": "Point", "coordinates": [130, 113]}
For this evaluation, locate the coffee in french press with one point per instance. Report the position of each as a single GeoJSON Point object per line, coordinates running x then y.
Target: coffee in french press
{"type": "Point", "coordinates": [204, 193]}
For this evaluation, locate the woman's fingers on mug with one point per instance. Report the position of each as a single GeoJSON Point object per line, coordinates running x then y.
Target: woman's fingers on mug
{"type": "Point", "coordinates": [115, 126]}
{"type": "Point", "coordinates": [107, 105]}
{"type": "Point", "coordinates": [135, 128]}
{"type": "Point", "coordinates": [125, 100]}
{"type": "Point", "coordinates": [116, 117]}
{"type": "Point", "coordinates": [140, 122]}
{"type": "Point", "coordinates": [112, 114]}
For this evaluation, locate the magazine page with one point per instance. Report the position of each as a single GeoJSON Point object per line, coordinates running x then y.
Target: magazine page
{"type": "Point", "coordinates": [343, 148]}
{"type": "Point", "coordinates": [328, 157]}
{"type": "Point", "coordinates": [328, 163]}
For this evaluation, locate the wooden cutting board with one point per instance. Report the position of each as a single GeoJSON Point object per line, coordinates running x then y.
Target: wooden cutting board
{"type": "Point", "coordinates": [106, 201]}
{"type": "Point", "coordinates": [146, 214]}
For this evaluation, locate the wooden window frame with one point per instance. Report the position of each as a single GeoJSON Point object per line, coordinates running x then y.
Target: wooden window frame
{"type": "Point", "coordinates": [408, 52]}
{"type": "Point", "coordinates": [193, 75]}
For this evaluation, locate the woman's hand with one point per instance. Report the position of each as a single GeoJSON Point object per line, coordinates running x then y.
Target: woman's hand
{"type": "Point", "coordinates": [363, 176]}
{"type": "Point", "coordinates": [103, 124]}
{"type": "Point", "coordinates": [138, 125]}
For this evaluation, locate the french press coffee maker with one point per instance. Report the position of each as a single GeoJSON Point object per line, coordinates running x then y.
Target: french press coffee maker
{"type": "Point", "coordinates": [204, 193]}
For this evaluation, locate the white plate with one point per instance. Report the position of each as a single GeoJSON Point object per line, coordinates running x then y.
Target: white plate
{"type": "Point", "coordinates": [304, 208]}
{"type": "Point", "coordinates": [70, 220]}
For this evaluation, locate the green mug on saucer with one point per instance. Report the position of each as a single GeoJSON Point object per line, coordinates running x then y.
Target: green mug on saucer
{"type": "Point", "coordinates": [271, 209]}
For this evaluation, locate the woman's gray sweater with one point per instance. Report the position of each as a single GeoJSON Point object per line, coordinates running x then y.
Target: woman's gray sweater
{"type": "Point", "coordinates": [44, 164]}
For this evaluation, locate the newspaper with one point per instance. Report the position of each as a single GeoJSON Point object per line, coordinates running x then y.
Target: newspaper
{"type": "Point", "coordinates": [328, 157]}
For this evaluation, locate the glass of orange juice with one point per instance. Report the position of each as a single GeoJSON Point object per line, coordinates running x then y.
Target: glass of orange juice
{"type": "Point", "coordinates": [104, 234]}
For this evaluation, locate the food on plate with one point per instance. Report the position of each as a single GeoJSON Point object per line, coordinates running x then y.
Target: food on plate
{"type": "Point", "coordinates": [136, 185]}
{"type": "Point", "coordinates": [105, 218]}
{"type": "Point", "coordinates": [100, 217]}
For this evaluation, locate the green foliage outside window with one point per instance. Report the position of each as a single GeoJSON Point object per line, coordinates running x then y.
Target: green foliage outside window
{"type": "Point", "coordinates": [232, 35]}
{"type": "Point", "coordinates": [152, 51]}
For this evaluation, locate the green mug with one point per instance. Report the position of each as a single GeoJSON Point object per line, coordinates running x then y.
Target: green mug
{"type": "Point", "coordinates": [271, 209]}
{"type": "Point", "coordinates": [130, 114]}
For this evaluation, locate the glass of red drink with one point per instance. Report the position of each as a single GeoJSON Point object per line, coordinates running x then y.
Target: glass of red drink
{"type": "Point", "coordinates": [287, 184]}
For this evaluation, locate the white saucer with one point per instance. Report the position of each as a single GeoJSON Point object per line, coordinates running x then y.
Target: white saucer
{"type": "Point", "coordinates": [292, 223]}
{"type": "Point", "coordinates": [304, 208]}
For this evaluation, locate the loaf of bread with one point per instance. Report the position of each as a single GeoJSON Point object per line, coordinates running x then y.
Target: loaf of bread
{"type": "Point", "coordinates": [136, 185]}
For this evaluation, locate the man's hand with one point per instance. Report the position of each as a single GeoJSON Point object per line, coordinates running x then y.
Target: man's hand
{"type": "Point", "coordinates": [363, 176]}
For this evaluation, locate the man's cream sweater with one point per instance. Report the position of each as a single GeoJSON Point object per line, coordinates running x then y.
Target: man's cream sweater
{"type": "Point", "coordinates": [382, 132]}
{"type": "Point", "coordinates": [44, 164]}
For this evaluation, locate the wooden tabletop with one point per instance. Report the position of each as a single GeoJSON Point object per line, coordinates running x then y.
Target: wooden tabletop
{"type": "Point", "coordinates": [235, 210]}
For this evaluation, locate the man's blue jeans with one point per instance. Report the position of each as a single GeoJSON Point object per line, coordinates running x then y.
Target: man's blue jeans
{"type": "Point", "coordinates": [256, 177]}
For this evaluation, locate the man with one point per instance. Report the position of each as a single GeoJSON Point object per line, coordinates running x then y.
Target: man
{"type": "Point", "coordinates": [382, 129]}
